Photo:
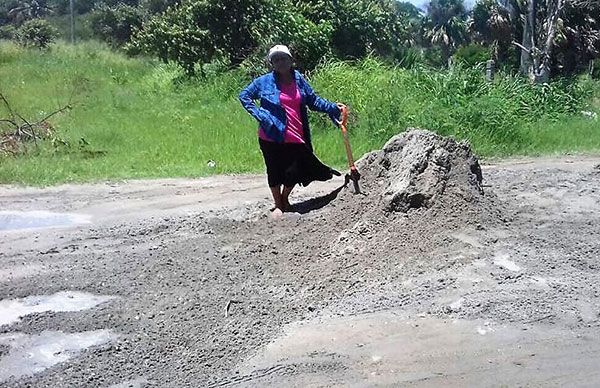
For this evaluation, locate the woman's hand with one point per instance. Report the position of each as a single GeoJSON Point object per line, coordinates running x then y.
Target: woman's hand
{"type": "Point", "coordinates": [341, 107]}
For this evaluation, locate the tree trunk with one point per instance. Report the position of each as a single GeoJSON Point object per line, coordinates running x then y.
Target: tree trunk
{"type": "Point", "coordinates": [528, 41]}
{"type": "Point", "coordinates": [542, 59]}
{"type": "Point", "coordinates": [535, 61]}
{"type": "Point", "coordinates": [540, 73]}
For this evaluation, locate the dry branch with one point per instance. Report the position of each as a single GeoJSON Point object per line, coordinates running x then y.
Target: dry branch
{"type": "Point", "coordinates": [21, 131]}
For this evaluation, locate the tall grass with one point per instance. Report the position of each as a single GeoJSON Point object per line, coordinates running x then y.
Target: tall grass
{"type": "Point", "coordinates": [136, 118]}
{"type": "Point", "coordinates": [506, 117]}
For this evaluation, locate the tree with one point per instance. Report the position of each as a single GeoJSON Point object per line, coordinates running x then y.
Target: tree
{"type": "Point", "coordinates": [61, 7]}
{"type": "Point", "coordinates": [198, 30]}
{"type": "Point", "coordinates": [29, 9]}
{"type": "Point", "coordinates": [115, 24]}
{"type": "Point", "coordinates": [361, 27]}
{"type": "Point", "coordinates": [445, 25]}
{"type": "Point", "coordinates": [553, 36]}
{"type": "Point", "coordinates": [37, 33]}
{"type": "Point", "coordinates": [158, 6]}
{"type": "Point", "coordinates": [309, 41]}
{"type": "Point", "coordinates": [578, 37]}
{"type": "Point", "coordinates": [5, 7]}
{"type": "Point", "coordinates": [407, 10]}
{"type": "Point", "coordinates": [490, 24]}
{"type": "Point", "coordinates": [409, 25]}
{"type": "Point", "coordinates": [539, 32]}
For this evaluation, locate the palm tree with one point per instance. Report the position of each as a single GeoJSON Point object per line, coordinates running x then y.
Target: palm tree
{"type": "Point", "coordinates": [553, 35]}
{"type": "Point", "coordinates": [586, 3]}
{"type": "Point", "coordinates": [445, 25]}
{"type": "Point", "coordinates": [490, 24]}
{"type": "Point", "coordinates": [490, 21]}
{"type": "Point", "coordinates": [578, 36]}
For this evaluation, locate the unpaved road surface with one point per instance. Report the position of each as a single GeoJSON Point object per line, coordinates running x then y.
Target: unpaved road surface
{"type": "Point", "coordinates": [177, 283]}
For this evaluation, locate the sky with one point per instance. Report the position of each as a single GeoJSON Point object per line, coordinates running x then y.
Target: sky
{"type": "Point", "coordinates": [421, 3]}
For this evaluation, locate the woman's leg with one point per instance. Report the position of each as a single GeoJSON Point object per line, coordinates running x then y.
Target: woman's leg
{"type": "Point", "coordinates": [278, 197]}
{"type": "Point", "coordinates": [285, 198]}
{"type": "Point", "coordinates": [281, 196]}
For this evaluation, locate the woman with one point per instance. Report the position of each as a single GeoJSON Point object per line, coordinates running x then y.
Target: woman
{"type": "Point", "coordinates": [284, 135]}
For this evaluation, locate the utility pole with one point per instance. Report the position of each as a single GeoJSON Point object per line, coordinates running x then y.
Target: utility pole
{"type": "Point", "coordinates": [72, 22]}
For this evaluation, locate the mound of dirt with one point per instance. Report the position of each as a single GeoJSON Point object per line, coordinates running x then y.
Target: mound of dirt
{"type": "Point", "coordinates": [418, 191]}
{"type": "Point", "coordinates": [416, 168]}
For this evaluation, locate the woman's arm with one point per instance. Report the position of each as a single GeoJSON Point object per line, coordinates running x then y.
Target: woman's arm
{"type": "Point", "coordinates": [247, 97]}
{"type": "Point", "coordinates": [316, 103]}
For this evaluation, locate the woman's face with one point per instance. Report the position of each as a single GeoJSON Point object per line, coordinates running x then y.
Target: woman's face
{"type": "Point", "coordinates": [282, 63]}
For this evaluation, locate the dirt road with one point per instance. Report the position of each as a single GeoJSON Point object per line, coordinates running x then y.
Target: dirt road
{"type": "Point", "coordinates": [189, 283]}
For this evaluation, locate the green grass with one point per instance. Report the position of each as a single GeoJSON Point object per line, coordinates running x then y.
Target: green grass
{"type": "Point", "coordinates": [507, 117]}
{"type": "Point", "coordinates": [130, 109]}
{"type": "Point", "coordinates": [140, 118]}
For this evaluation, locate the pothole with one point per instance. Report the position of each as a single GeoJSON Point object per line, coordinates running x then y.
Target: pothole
{"type": "Point", "coordinates": [11, 310]}
{"type": "Point", "coordinates": [30, 354]}
{"type": "Point", "coordinates": [504, 261]}
{"type": "Point", "coordinates": [17, 220]}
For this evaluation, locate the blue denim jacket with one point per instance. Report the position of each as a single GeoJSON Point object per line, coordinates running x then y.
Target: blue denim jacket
{"type": "Point", "coordinates": [271, 115]}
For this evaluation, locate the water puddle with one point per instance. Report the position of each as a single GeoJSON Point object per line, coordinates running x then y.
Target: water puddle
{"type": "Point", "coordinates": [456, 305]}
{"type": "Point", "coordinates": [540, 281]}
{"type": "Point", "coordinates": [484, 330]}
{"type": "Point", "coordinates": [504, 262]}
{"type": "Point", "coordinates": [16, 220]}
{"type": "Point", "coordinates": [11, 310]}
{"type": "Point", "coordinates": [30, 354]}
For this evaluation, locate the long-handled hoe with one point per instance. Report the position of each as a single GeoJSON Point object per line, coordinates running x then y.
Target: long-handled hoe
{"type": "Point", "coordinates": [354, 175]}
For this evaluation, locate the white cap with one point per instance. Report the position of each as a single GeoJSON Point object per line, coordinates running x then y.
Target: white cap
{"type": "Point", "coordinates": [279, 49]}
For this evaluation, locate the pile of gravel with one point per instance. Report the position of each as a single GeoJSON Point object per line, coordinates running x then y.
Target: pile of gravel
{"type": "Point", "coordinates": [418, 169]}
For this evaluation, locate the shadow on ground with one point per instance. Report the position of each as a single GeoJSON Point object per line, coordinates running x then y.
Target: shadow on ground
{"type": "Point", "coordinates": [316, 203]}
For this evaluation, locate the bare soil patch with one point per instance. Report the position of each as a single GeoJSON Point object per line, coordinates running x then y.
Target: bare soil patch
{"type": "Point", "coordinates": [498, 263]}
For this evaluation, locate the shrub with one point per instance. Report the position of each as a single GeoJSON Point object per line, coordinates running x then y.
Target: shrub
{"type": "Point", "coordinates": [115, 24]}
{"type": "Point", "coordinates": [472, 54]}
{"type": "Point", "coordinates": [433, 56]}
{"type": "Point", "coordinates": [37, 33]}
{"type": "Point", "coordinates": [596, 69]}
{"type": "Point", "coordinates": [8, 32]}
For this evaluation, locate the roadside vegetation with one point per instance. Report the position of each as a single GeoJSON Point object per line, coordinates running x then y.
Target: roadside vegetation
{"type": "Point", "coordinates": [149, 89]}
{"type": "Point", "coordinates": [133, 118]}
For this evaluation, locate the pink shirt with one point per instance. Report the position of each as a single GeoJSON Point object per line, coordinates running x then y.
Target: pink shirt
{"type": "Point", "coordinates": [290, 101]}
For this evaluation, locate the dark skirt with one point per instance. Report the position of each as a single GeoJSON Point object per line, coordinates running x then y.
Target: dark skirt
{"type": "Point", "coordinates": [289, 164]}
